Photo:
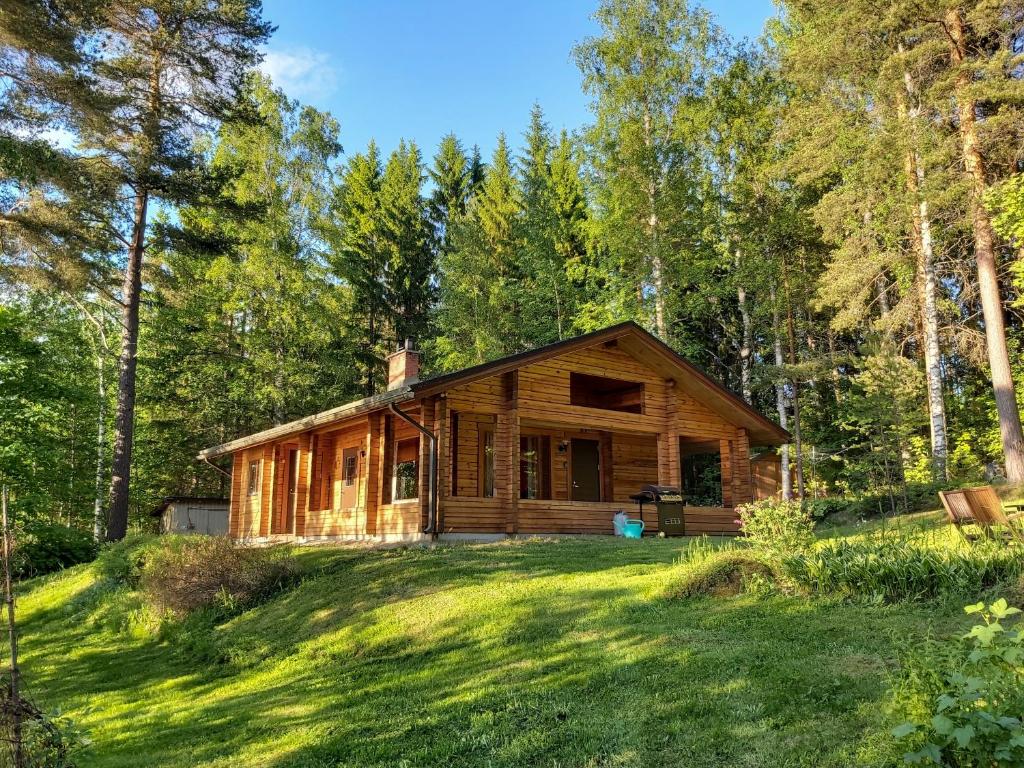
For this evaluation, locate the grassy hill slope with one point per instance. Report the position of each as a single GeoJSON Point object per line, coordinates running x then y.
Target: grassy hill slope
{"type": "Point", "coordinates": [559, 653]}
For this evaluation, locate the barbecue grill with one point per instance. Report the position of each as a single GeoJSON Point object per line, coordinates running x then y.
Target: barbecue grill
{"type": "Point", "coordinates": [669, 503]}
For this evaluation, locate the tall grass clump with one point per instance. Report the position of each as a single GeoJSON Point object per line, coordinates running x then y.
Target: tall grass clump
{"type": "Point", "coordinates": [709, 568]}
{"type": "Point", "coordinates": [776, 527]}
{"type": "Point", "coordinates": [894, 569]}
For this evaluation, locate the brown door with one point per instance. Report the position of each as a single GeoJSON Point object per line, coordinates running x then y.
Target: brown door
{"type": "Point", "coordinates": [349, 478]}
{"type": "Point", "coordinates": [586, 470]}
{"type": "Point", "coordinates": [293, 490]}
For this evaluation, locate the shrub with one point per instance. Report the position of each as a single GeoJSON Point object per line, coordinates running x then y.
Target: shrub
{"type": "Point", "coordinates": [965, 699]}
{"type": "Point", "coordinates": [47, 740]}
{"type": "Point", "coordinates": [46, 547]}
{"type": "Point", "coordinates": [722, 573]}
{"type": "Point", "coordinates": [828, 506]}
{"type": "Point", "coordinates": [121, 562]}
{"type": "Point", "coordinates": [186, 573]}
{"type": "Point", "coordinates": [896, 569]}
{"type": "Point", "coordinates": [776, 526]}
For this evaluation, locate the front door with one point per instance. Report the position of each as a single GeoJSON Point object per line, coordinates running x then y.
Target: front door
{"type": "Point", "coordinates": [349, 478]}
{"type": "Point", "coordinates": [293, 490]}
{"type": "Point", "coordinates": [586, 470]}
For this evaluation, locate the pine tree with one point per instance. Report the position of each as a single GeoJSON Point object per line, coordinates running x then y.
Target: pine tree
{"type": "Point", "coordinates": [167, 71]}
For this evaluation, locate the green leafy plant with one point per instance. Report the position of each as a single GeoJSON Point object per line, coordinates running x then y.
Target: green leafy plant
{"type": "Point", "coordinates": [896, 569]}
{"type": "Point", "coordinates": [42, 547]}
{"type": "Point", "coordinates": [776, 526]}
{"type": "Point", "coordinates": [973, 696]}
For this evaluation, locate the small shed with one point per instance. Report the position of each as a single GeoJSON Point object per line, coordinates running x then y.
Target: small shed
{"type": "Point", "coordinates": [193, 514]}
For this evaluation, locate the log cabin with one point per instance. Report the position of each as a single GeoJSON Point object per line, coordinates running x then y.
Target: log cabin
{"type": "Point", "coordinates": [550, 441]}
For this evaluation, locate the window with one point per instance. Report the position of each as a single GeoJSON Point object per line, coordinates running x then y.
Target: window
{"type": "Point", "coordinates": [254, 477]}
{"type": "Point", "coordinates": [349, 470]}
{"type": "Point", "coordinates": [406, 479]}
{"type": "Point", "coordinates": [608, 394]}
{"type": "Point", "coordinates": [329, 491]}
{"type": "Point", "coordinates": [534, 467]}
{"type": "Point", "coordinates": [486, 460]}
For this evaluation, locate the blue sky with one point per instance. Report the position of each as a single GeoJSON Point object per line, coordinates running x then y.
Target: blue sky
{"type": "Point", "coordinates": [415, 69]}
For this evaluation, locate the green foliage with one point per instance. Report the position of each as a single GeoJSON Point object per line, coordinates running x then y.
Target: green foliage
{"type": "Point", "coordinates": [965, 697]}
{"type": "Point", "coordinates": [184, 574]}
{"type": "Point", "coordinates": [48, 407]}
{"type": "Point", "coordinates": [895, 568]}
{"type": "Point", "coordinates": [42, 547]}
{"type": "Point", "coordinates": [776, 527]}
{"type": "Point", "coordinates": [121, 562]}
{"type": "Point", "coordinates": [722, 573]}
{"type": "Point", "coordinates": [48, 739]}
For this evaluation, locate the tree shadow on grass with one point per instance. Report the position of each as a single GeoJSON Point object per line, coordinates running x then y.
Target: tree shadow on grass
{"type": "Point", "coordinates": [511, 655]}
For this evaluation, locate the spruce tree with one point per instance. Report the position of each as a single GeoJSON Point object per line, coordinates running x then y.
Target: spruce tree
{"type": "Point", "coordinates": [354, 231]}
{"type": "Point", "coordinates": [407, 244]}
{"type": "Point", "coordinates": [452, 178]}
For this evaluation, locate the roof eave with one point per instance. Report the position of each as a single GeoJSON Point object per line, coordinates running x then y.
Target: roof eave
{"type": "Point", "coordinates": [349, 410]}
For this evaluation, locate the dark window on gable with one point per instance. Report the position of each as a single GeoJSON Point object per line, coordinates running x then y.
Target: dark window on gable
{"type": "Point", "coordinates": [609, 394]}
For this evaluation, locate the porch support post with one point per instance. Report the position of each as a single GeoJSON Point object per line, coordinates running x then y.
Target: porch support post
{"type": "Point", "coordinates": [375, 475]}
{"type": "Point", "coordinates": [237, 495]}
{"type": "Point", "coordinates": [440, 429]}
{"type": "Point", "coordinates": [737, 487]}
{"type": "Point", "coordinates": [427, 420]}
{"type": "Point", "coordinates": [669, 469]}
{"type": "Point", "coordinates": [506, 439]}
{"type": "Point", "coordinates": [307, 448]}
{"type": "Point", "coordinates": [728, 472]}
{"type": "Point", "coordinates": [266, 493]}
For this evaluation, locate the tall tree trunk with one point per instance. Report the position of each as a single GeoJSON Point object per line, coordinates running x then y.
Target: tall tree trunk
{"type": "Point", "coordinates": [101, 440]}
{"type": "Point", "coordinates": [746, 342]}
{"type": "Point", "coordinates": [928, 283]}
{"type": "Point", "coordinates": [124, 417]}
{"type": "Point", "coordinates": [985, 256]}
{"type": "Point", "coordinates": [780, 398]}
{"type": "Point", "coordinates": [791, 334]}
{"type": "Point", "coordinates": [654, 254]}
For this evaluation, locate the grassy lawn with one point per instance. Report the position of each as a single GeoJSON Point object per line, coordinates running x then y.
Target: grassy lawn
{"type": "Point", "coordinates": [536, 653]}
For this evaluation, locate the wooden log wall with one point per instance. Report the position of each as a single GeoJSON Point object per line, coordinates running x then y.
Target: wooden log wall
{"type": "Point", "coordinates": [635, 449]}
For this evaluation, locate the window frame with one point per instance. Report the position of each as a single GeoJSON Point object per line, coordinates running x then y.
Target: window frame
{"type": "Point", "coordinates": [253, 483]}
{"type": "Point", "coordinates": [485, 462]}
{"type": "Point", "coordinates": [591, 391]}
{"type": "Point", "coordinates": [415, 462]}
{"type": "Point", "coordinates": [542, 465]}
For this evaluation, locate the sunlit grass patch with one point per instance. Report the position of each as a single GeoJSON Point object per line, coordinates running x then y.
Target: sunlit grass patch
{"type": "Point", "coordinates": [561, 652]}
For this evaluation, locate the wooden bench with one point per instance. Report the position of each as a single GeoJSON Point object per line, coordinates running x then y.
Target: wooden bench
{"type": "Point", "coordinates": [982, 508]}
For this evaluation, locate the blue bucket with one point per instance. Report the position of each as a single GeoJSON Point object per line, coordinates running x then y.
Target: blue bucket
{"type": "Point", "coordinates": [633, 529]}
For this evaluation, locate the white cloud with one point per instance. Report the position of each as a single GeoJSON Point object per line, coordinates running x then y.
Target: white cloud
{"type": "Point", "coordinates": [303, 73]}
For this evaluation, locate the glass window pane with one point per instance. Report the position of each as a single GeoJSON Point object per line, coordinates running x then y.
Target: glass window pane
{"type": "Point", "coordinates": [488, 468]}
{"type": "Point", "coordinates": [406, 480]}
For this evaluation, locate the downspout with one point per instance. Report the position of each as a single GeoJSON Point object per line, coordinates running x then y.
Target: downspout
{"type": "Point", "coordinates": [431, 469]}
{"type": "Point", "coordinates": [223, 472]}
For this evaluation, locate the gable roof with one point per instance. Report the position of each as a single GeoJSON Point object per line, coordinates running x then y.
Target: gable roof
{"type": "Point", "coordinates": [628, 335]}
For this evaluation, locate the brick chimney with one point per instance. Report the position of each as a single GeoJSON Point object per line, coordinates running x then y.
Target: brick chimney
{"type": "Point", "coordinates": [403, 366]}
